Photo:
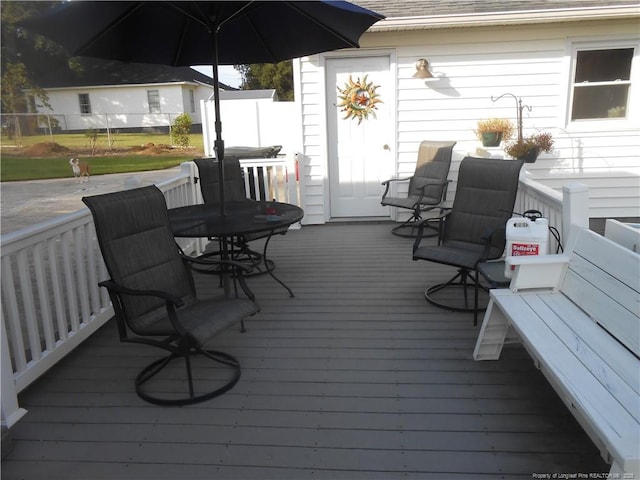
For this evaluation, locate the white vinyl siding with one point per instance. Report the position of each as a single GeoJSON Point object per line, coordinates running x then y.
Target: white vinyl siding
{"type": "Point", "coordinates": [472, 65]}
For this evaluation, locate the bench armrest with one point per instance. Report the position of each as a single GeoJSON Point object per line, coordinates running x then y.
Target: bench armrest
{"type": "Point", "coordinates": [537, 271]}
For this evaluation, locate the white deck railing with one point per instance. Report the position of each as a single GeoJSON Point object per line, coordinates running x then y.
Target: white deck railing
{"type": "Point", "coordinates": [561, 209]}
{"type": "Point", "coordinates": [271, 179]}
{"type": "Point", "coordinates": [51, 301]}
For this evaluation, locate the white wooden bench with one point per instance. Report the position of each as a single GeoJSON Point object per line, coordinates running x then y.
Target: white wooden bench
{"type": "Point", "coordinates": [577, 314]}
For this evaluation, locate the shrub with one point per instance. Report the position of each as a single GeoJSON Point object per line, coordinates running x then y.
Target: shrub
{"type": "Point", "coordinates": [92, 137]}
{"type": "Point", "coordinates": [180, 130]}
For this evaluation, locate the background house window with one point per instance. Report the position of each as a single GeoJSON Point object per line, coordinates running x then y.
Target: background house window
{"type": "Point", "coordinates": [85, 104]}
{"type": "Point", "coordinates": [192, 101]}
{"type": "Point", "coordinates": [601, 83]}
{"type": "Point", "coordinates": [153, 97]}
{"type": "Point", "coordinates": [31, 104]}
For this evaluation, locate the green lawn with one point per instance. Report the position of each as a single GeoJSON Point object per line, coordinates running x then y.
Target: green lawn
{"type": "Point", "coordinates": [14, 168]}
{"type": "Point", "coordinates": [25, 166]}
{"type": "Point", "coordinates": [118, 140]}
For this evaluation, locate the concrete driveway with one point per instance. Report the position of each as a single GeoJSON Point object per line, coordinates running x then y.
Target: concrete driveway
{"type": "Point", "coordinates": [26, 203]}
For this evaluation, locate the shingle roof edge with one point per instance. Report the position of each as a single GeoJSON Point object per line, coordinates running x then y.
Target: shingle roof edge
{"type": "Point", "coordinates": [506, 18]}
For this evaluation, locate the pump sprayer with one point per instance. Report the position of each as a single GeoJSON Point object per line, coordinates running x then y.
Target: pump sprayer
{"type": "Point", "coordinates": [526, 235]}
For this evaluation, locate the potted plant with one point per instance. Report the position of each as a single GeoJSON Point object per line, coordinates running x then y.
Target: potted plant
{"type": "Point", "coordinates": [492, 131]}
{"type": "Point", "coordinates": [529, 148]}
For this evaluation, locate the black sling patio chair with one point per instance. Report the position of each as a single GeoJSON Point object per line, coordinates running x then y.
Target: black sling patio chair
{"type": "Point", "coordinates": [234, 191]}
{"type": "Point", "coordinates": [427, 187]}
{"type": "Point", "coordinates": [473, 231]}
{"type": "Point", "coordinates": [154, 298]}
{"type": "Point", "coordinates": [234, 184]}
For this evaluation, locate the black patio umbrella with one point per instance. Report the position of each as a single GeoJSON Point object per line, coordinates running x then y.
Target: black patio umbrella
{"type": "Point", "coordinates": [183, 33]}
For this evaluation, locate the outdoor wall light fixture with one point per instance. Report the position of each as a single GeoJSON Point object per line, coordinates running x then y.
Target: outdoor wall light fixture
{"type": "Point", "coordinates": [422, 70]}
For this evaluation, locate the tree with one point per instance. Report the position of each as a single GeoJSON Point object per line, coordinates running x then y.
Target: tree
{"type": "Point", "coordinates": [268, 75]}
{"type": "Point", "coordinates": [15, 81]}
{"type": "Point", "coordinates": [22, 46]}
{"type": "Point", "coordinates": [24, 58]}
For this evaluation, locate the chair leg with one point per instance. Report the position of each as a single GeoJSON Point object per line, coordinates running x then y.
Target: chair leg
{"type": "Point", "coordinates": [187, 361]}
{"type": "Point", "coordinates": [409, 228]}
{"type": "Point", "coordinates": [464, 280]}
{"type": "Point", "coordinates": [475, 299]}
{"type": "Point", "coordinates": [158, 366]}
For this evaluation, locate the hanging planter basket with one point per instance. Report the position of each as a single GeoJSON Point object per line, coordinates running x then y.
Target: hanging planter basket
{"type": "Point", "coordinates": [531, 155]}
{"type": "Point", "coordinates": [491, 139]}
{"type": "Point", "coordinates": [492, 131]}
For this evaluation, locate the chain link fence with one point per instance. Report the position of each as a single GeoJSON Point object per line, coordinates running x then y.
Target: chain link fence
{"type": "Point", "coordinates": [85, 131]}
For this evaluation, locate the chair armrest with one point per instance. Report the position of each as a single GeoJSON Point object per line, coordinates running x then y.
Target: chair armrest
{"type": "Point", "coordinates": [171, 301]}
{"type": "Point", "coordinates": [537, 271]}
{"type": "Point", "coordinates": [387, 184]}
{"type": "Point", "coordinates": [114, 287]}
{"type": "Point", "coordinates": [437, 218]}
{"type": "Point", "coordinates": [487, 237]}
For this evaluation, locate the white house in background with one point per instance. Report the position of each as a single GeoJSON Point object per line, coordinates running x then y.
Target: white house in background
{"type": "Point", "coordinates": [477, 50]}
{"type": "Point", "coordinates": [124, 96]}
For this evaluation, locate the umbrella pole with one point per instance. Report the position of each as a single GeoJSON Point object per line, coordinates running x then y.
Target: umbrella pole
{"type": "Point", "coordinates": [218, 144]}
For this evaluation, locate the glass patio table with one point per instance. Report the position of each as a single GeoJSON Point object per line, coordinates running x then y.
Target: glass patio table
{"type": "Point", "coordinates": [241, 218]}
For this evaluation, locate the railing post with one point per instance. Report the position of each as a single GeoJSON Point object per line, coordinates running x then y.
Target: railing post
{"type": "Point", "coordinates": [291, 180]}
{"type": "Point", "coordinates": [11, 411]}
{"type": "Point", "coordinates": [189, 169]}
{"type": "Point", "coordinates": [575, 207]}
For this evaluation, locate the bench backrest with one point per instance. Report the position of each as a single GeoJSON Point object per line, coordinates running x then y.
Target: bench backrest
{"type": "Point", "coordinates": [625, 234]}
{"type": "Point", "coordinates": [603, 278]}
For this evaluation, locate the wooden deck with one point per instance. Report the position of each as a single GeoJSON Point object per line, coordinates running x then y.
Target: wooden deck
{"type": "Point", "coordinates": [357, 377]}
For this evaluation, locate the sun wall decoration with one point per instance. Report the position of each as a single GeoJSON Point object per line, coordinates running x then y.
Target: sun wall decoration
{"type": "Point", "coordinates": [359, 99]}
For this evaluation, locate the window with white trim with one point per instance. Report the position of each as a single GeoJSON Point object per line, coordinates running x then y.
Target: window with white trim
{"type": "Point", "coordinates": [601, 83]}
{"type": "Point", "coordinates": [85, 104]}
{"type": "Point", "coordinates": [153, 97]}
{"type": "Point", "coordinates": [192, 101]}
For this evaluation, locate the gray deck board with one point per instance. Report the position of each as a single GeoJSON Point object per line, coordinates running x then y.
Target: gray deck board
{"type": "Point", "coordinates": [356, 377]}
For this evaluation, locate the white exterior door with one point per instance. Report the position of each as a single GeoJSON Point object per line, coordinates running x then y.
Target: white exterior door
{"type": "Point", "coordinates": [360, 146]}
